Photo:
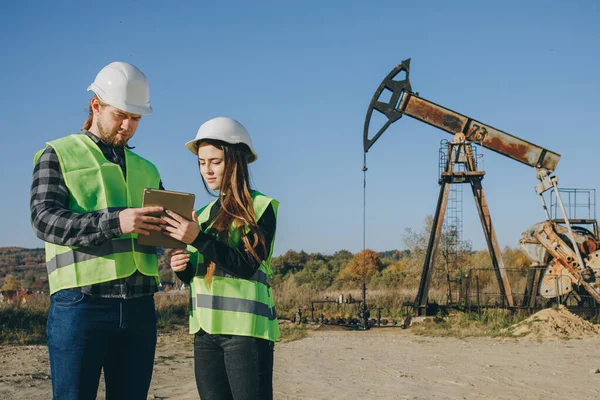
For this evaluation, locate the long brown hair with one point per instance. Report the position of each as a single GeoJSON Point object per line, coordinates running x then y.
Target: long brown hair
{"type": "Point", "coordinates": [88, 122]}
{"type": "Point", "coordinates": [236, 210]}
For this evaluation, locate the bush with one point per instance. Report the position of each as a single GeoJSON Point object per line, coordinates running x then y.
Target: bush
{"type": "Point", "coordinates": [172, 309]}
{"type": "Point", "coordinates": [489, 323]}
{"type": "Point", "coordinates": [24, 323]}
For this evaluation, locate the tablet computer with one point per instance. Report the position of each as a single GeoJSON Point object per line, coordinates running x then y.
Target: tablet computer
{"type": "Point", "coordinates": [179, 202]}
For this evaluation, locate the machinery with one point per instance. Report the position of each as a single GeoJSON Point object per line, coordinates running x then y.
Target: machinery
{"type": "Point", "coordinates": [554, 246]}
{"type": "Point", "coordinates": [564, 266]}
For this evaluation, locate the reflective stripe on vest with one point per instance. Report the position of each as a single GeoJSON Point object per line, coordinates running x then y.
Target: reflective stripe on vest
{"type": "Point", "coordinates": [233, 305]}
{"type": "Point", "coordinates": [85, 253]}
{"type": "Point", "coordinates": [98, 185]}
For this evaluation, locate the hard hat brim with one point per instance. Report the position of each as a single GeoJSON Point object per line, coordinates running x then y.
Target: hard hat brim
{"type": "Point", "coordinates": [117, 104]}
{"type": "Point", "coordinates": [192, 146]}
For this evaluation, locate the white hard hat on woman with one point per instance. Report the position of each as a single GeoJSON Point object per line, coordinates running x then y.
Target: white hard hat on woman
{"type": "Point", "coordinates": [123, 86]}
{"type": "Point", "coordinates": [226, 130]}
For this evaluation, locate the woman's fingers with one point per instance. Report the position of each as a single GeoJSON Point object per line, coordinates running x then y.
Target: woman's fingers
{"type": "Point", "coordinates": [176, 216]}
{"type": "Point", "coordinates": [173, 225]}
{"type": "Point", "coordinates": [170, 229]}
{"type": "Point", "coordinates": [180, 228]}
{"type": "Point", "coordinates": [173, 232]}
{"type": "Point", "coordinates": [179, 268]}
{"type": "Point", "coordinates": [180, 255]}
{"type": "Point", "coordinates": [170, 221]}
{"type": "Point", "coordinates": [179, 260]}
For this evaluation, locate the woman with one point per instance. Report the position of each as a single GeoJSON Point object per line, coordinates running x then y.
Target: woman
{"type": "Point", "coordinates": [227, 266]}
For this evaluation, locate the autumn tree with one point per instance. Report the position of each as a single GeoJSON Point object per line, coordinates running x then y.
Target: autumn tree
{"type": "Point", "coordinates": [515, 258]}
{"type": "Point", "coordinates": [363, 265]}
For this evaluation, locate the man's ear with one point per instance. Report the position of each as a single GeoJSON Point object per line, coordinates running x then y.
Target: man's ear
{"type": "Point", "coordinates": [95, 103]}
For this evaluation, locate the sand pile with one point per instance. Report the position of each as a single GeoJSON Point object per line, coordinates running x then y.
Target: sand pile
{"type": "Point", "coordinates": [552, 323]}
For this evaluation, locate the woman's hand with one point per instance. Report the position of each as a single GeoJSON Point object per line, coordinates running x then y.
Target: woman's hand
{"type": "Point", "coordinates": [180, 228]}
{"type": "Point", "coordinates": [178, 259]}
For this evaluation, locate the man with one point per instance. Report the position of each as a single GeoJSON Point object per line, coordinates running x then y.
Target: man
{"type": "Point", "coordinates": [85, 204]}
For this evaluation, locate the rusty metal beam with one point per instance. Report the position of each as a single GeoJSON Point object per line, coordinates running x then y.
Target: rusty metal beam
{"type": "Point", "coordinates": [492, 241]}
{"type": "Point", "coordinates": [436, 233]}
{"type": "Point", "coordinates": [532, 287]}
{"type": "Point", "coordinates": [434, 240]}
{"type": "Point", "coordinates": [478, 132]}
{"type": "Point", "coordinates": [488, 230]}
{"type": "Point", "coordinates": [473, 177]}
{"type": "Point", "coordinates": [403, 101]}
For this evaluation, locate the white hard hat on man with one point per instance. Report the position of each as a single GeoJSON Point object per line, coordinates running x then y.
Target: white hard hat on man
{"type": "Point", "coordinates": [123, 86]}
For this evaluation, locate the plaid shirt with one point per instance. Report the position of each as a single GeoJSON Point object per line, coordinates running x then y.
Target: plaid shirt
{"type": "Point", "coordinates": [53, 222]}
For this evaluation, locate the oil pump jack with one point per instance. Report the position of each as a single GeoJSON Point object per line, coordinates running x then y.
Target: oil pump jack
{"type": "Point", "coordinates": [557, 248]}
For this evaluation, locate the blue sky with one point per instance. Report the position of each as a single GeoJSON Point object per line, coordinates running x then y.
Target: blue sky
{"type": "Point", "coordinates": [299, 76]}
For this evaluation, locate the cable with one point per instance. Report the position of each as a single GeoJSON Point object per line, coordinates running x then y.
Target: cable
{"type": "Point", "coordinates": [364, 169]}
{"type": "Point", "coordinates": [363, 311]}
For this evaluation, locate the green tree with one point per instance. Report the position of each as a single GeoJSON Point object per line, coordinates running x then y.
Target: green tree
{"type": "Point", "coordinates": [315, 274]}
{"type": "Point", "coordinates": [29, 281]}
{"type": "Point", "coordinates": [392, 276]}
{"type": "Point", "coordinates": [291, 261]}
{"type": "Point", "coordinates": [11, 284]}
{"type": "Point", "coordinates": [339, 260]}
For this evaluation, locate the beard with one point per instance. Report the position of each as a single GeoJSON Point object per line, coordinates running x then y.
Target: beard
{"type": "Point", "coordinates": [110, 137]}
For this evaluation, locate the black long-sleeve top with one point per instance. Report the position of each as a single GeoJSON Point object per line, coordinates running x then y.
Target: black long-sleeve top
{"type": "Point", "coordinates": [232, 261]}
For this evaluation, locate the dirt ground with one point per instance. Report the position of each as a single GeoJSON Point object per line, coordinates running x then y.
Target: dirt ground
{"type": "Point", "coordinates": [382, 363]}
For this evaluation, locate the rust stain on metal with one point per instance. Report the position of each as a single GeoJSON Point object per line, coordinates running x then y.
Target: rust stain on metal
{"type": "Point", "coordinates": [520, 150]}
{"type": "Point", "coordinates": [435, 115]}
{"type": "Point", "coordinates": [489, 137]}
{"type": "Point", "coordinates": [563, 255]}
{"type": "Point", "coordinates": [513, 148]}
{"type": "Point", "coordinates": [452, 122]}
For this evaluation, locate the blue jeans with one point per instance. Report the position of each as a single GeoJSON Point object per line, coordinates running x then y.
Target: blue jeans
{"type": "Point", "coordinates": [233, 367]}
{"type": "Point", "coordinates": [88, 334]}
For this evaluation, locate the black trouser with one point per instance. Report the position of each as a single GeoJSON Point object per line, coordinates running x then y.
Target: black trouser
{"type": "Point", "coordinates": [233, 367]}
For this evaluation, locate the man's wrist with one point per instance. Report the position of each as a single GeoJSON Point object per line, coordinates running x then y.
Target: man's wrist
{"type": "Point", "coordinates": [110, 225]}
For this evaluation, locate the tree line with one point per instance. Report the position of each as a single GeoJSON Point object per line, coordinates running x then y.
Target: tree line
{"type": "Point", "coordinates": [25, 268]}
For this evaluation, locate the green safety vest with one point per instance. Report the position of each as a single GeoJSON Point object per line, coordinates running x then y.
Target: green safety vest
{"type": "Point", "coordinates": [234, 306]}
{"type": "Point", "coordinates": [97, 185]}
